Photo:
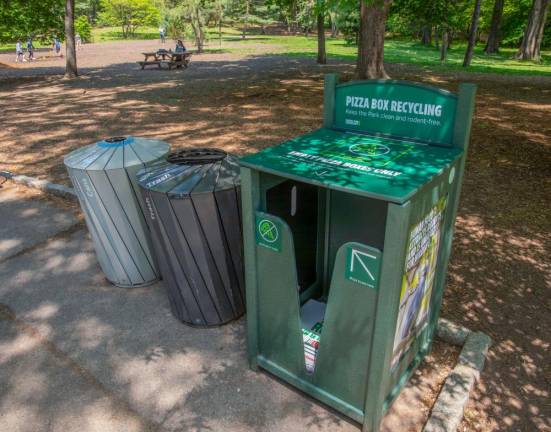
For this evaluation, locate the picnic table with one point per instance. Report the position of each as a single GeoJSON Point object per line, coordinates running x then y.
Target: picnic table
{"type": "Point", "coordinates": [166, 57]}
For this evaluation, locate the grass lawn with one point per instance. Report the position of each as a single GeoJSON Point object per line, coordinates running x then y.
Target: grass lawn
{"type": "Point", "coordinates": [396, 50]}
{"type": "Point", "coordinates": [407, 52]}
{"type": "Point", "coordinates": [104, 34]}
{"type": "Point", "coordinates": [9, 47]}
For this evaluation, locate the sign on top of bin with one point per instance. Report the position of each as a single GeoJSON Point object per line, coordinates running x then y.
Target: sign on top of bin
{"type": "Point", "coordinates": [104, 177]}
{"type": "Point", "coordinates": [348, 233]}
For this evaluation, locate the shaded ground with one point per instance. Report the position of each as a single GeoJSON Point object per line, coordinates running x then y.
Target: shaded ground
{"type": "Point", "coordinates": [500, 273]}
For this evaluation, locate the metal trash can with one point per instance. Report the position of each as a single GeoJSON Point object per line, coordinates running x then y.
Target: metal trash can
{"type": "Point", "coordinates": [195, 219]}
{"type": "Point", "coordinates": [104, 177]}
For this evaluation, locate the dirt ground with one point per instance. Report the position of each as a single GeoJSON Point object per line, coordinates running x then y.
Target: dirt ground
{"type": "Point", "coordinates": [500, 272]}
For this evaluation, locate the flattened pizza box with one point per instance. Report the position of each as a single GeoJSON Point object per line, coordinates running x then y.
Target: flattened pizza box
{"type": "Point", "coordinates": [378, 167]}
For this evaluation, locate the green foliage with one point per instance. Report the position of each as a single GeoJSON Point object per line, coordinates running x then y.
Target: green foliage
{"type": "Point", "coordinates": [408, 17]}
{"type": "Point", "coordinates": [89, 8]}
{"type": "Point", "coordinates": [40, 19]}
{"type": "Point", "coordinates": [129, 14]}
{"type": "Point", "coordinates": [175, 24]}
{"type": "Point", "coordinates": [83, 28]}
{"type": "Point", "coordinates": [348, 22]}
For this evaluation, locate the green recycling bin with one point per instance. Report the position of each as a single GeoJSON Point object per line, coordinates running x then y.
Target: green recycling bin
{"type": "Point", "coordinates": [347, 237]}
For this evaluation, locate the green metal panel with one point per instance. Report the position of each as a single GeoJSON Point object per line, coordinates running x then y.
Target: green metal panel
{"type": "Point", "coordinates": [250, 203]}
{"type": "Point", "coordinates": [329, 86]}
{"type": "Point", "coordinates": [376, 167]}
{"type": "Point", "coordinates": [345, 342]}
{"type": "Point", "coordinates": [397, 109]}
{"type": "Point", "coordinates": [385, 319]}
{"type": "Point", "coordinates": [278, 300]}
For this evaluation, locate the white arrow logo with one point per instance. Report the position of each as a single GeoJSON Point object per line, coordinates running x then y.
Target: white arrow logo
{"type": "Point", "coordinates": [357, 256]}
{"type": "Point", "coordinates": [321, 173]}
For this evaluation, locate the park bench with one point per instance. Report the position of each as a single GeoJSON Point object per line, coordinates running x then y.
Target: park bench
{"type": "Point", "coordinates": [168, 58]}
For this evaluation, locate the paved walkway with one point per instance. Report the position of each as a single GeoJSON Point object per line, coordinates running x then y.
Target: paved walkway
{"type": "Point", "coordinates": [77, 354]}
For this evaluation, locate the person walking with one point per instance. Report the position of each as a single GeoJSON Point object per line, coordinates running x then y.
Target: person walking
{"type": "Point", "coordinates": [30, 49]}
{"type": "Point", "coordinates": [19, 57]}
{"type": "Point", "coordinates": [162, 34]}
{"type": "Point", "coordinates": [78, 41]}
{"type": "Point", "coordinates": [57, 46]}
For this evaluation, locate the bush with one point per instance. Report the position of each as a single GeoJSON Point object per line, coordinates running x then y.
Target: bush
{"type": "Point", "coordinates": [83, 28]}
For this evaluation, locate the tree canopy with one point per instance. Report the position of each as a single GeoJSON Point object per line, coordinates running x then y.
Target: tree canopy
{"type": "Point", "coordinates": [40, 19]}
{"type": "Point", "coordinates": [129, 14]}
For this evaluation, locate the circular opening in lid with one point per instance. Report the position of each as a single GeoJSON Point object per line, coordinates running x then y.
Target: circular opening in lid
{"type": "Point", "coordinates": [115, 139]}
{"type": "Point", "coordinates": [196, 156]}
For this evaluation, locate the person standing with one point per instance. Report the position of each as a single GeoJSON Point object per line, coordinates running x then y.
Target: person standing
{"type": "Point", "coordinates": [162, 34]}
{"type": "Point", "coordinates": [78, 41]}
{"type": "Point", "coordinates": [57, 46]}
{"type": "Point", "coordinates": [30, 49]}
{"type": "Point", "coordinates": [19, 57]}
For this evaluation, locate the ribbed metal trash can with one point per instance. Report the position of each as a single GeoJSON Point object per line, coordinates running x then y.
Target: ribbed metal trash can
{"type": "Point", "coordinates": [104, 177]}
{"type": "Point", "coordinates": [195, 219]}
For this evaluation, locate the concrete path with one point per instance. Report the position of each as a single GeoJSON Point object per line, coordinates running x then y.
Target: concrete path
{"type": "Point", "coordinates": [43, 391]}
{"type": "Point", "coordinates": [26, 222]}
{"type": "Point", "coordinates": [78, 354]}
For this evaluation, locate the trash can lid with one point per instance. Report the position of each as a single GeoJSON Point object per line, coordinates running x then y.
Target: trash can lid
{"type": "Point", "coordinates": [115, 153]}
{"type": "Point", "coordinates": [191, 171]}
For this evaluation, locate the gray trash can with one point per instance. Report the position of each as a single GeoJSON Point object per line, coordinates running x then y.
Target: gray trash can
{"type": "Point", "coordinates": [195, 219]}
{"type": "Point", "coordinates": [104, 177]}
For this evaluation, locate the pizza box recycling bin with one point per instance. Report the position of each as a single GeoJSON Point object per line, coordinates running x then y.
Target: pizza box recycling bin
{"type": "Point", "coordinates": [347, 236]}
{"type": "Point", "coordinates": [104, 177]}
{"type": "Point", "coordinates": [192, 201]}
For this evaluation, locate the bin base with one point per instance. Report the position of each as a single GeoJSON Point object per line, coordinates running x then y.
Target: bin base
{"type": "Point", "coordinates": [206, 326]}
{"type": "Point", "coordinates": [130, 286]}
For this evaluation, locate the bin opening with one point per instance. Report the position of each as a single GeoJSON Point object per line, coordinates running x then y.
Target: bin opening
{"type": "Point", "coordinates": [196, 156]}
{"type": "Point", "coordinates": [115, 139]}
{"type": "Point", "coordinates": [297, 204]}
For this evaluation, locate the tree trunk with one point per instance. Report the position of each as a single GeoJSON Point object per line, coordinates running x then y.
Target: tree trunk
{"type": "Point", "coordinates": [198, 30]}
{"type": "Point", "coordinates": [425, 35]}
{"type": "Point", "coordinates": [492, 44]}
{"type": "Point", "coordinates": [472, 34]}
{"type": "Point", "coordinates": [245, 20]}
{"type": "Point", "coordinates": [533, 35]}
{"type": "Point", "coordinates": [294, 16]}
{"type": "Point", "coordinates": [436, 41]}
{"type": "Point", "coordinates": [70, 51]}
{"type": "Point", "coordinates": [322, 57]}
{"type": "Point", "coordinates": [220, 30]}
{"type": "Point", "coordinates": [371, 42]}
{"type": "Point", "coordinates": [444, 46]}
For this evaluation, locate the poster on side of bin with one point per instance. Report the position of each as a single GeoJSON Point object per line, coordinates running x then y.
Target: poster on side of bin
{"type": "Point", "coordinates": [418, 278]}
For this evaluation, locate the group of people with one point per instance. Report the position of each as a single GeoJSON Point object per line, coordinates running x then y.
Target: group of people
{"type": "Point", "coordinates": [56, 47]}
{"type": "Point", "coordinates": [180, 48]}
{"type": "Point", "coordinates": [19, 53]}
